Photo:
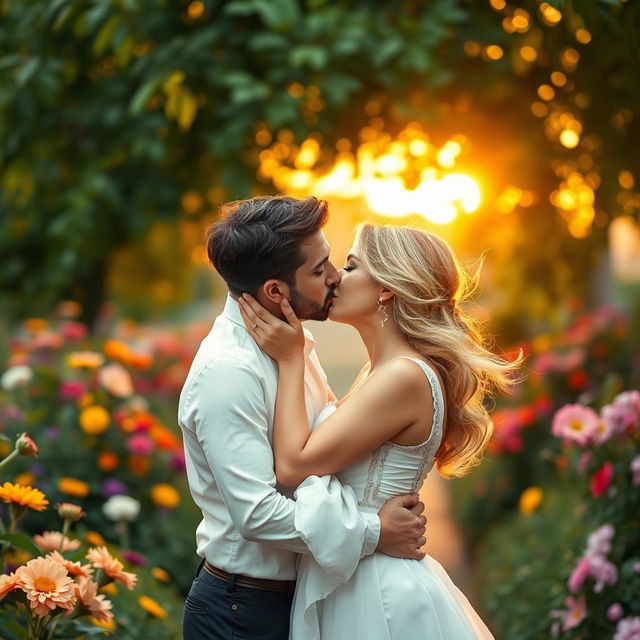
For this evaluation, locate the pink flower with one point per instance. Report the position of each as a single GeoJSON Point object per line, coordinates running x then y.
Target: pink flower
{"type": "Point", "coordinates": [96, 605]}
{"type": "Point", "coordinates": [72, 390]}
{"type": "Point", "coordinates": [581, 572]}
{"type": "Point", "coordinates": [628, 629]}
{"type": "Point", "coordinates": [576, 611]}
{"type": "Point", "coordinates": [140, 444]}
{"type": "Point", "coordinates": [116, 380]}
{"type": "Point", "coordinates": [603, 572]}
{"type": "Point", "coordinates": [599, 542]}
{"type": "Point", "coordinates": [575, 423]}
{"type": "Point", "coordinates": [583, 462]}
{"type": "Point", "coordinates": [635, 470]}
{"type": "Point", "coordinates": [614, 612]}
{"type": "Point", "coordinates": [73, 331]}
{"type": "Point", "coordinates": [601, 480]}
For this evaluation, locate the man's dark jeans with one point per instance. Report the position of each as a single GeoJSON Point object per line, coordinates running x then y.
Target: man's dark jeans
{"type": "Point", "coordinates": [219, 610]}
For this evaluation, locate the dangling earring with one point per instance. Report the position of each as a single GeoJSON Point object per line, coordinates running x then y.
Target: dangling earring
{"type": "Point", "coordinates": [383, 309]}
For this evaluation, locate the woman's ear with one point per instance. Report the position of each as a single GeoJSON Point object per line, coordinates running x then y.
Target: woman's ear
{"type": "Point", "coordinates": [275, 290]}
{"type": "Point", "coordinates": [385, 294]}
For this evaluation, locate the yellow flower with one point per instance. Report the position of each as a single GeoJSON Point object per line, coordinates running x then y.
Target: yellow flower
{"type": "Point", "coordinates": [530, 500]}
{"type": "Point", "coordinates": [94, 420]}
{"type": "Point", "coordinates": [85, 359]}
{"type": "Point", "coordinates": [152, 607]}
{"type": "Point", "coordinates": [109, 625]}
{"type": "Point", "coordinates": [160, 574]}
{"type": "Point", "coordinates": [94, 539]}
{"type": "Point", "coordinates": [73, 487]}
{"type": "Point", "coordinates": [25, 479]}
{"type": "Point", "coordinates": [85, 400]}
{"type": "Point", "coordinates": [165, 495]}
{"type": "Point", "coordinates": [23, 496]}
{"type": "Point", "coordinates": [110, 589]}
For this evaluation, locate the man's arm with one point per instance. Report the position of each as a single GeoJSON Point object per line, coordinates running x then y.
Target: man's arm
{"type": "Point", "coordinates": [227, 407]}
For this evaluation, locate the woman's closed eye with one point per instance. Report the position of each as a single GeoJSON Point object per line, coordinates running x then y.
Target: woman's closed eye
{"type": "Point", "coordinates": [349, 267]}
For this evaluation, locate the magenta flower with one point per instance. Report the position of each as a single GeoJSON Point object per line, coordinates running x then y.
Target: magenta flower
{"type": "Point", "coordinates": [72, 390]}
{"type": "Point", "coordinates": [601, 480]}
{"type": "Point", "coordinates": [575, 423]}
{"type": "Point", "coordinates": [575, 614]}
{"type": "Point", "coordinates": [140, 444]}
{"type": "Point", "coordinates": [73, 331]}
{"type": "Point", "coordinates": [628, 629]}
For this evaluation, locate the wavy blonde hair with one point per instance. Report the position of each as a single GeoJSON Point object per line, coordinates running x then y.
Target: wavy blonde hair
{"type": "Point", "coordinates": [429, 284]}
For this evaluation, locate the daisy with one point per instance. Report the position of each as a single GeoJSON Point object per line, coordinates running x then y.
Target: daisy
{"type": "Point", "coordinates": [22, 496]}
{"type": "Point", "coordinates": [74, 569]}
{"type": "Point", "coordinates": [46, 584]}
{"type": "Point", "coordinates": [7, 584]}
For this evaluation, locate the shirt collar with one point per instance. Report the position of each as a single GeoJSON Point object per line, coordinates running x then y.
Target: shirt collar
{"type": "Point", "coordinates": [232, 312]}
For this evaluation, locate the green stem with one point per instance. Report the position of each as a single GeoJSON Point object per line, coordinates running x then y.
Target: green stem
{"type": "Point", "coordinates": [10, 457]}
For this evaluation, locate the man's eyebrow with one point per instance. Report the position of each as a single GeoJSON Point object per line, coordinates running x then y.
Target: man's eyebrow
{"type": "Point", "coordinates": [320, 263]}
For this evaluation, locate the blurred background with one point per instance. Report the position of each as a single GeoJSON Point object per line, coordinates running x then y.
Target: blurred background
{"type": "Point", "coordinates": [508, 128]}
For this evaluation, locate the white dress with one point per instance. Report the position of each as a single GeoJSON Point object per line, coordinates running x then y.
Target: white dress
{"type": "Point", "coordinates": [378, 597]}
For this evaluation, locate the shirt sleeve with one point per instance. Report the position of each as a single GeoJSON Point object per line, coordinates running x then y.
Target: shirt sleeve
{"type": "Point", "coordinates": [230, 417]}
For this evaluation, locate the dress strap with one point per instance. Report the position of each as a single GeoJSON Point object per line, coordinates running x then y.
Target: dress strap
{"type": "Point", "coordinates": [438, 398]}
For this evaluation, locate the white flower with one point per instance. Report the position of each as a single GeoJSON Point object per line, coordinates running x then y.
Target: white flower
{"type": "Point", "coordinates": [119, 508]}
{"type": "Point", "coordinates": [16, 376]}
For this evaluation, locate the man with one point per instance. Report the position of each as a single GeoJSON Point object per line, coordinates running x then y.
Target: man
{"type": "Point", "coordinates": [271, 247]}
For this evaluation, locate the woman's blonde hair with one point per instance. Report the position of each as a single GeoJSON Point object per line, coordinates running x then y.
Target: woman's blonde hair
{"type": "Point", "coordinates": [429, 284]}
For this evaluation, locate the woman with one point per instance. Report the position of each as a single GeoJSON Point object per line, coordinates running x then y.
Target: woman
{"type": "Point", "coordinates": [419, 401]}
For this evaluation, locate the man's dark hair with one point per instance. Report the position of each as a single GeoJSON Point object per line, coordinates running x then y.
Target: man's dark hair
{"type": "Point", "coordinates": [258, 239]}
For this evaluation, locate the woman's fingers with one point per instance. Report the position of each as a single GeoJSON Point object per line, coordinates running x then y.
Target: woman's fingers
{"type": "Point", "coordinates": [289, 313]}
{"type": "Point", "coordinates": [259, 311]}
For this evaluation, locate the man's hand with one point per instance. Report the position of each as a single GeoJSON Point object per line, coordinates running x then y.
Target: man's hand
{"type": "Point", "coordinates": [402, 528]}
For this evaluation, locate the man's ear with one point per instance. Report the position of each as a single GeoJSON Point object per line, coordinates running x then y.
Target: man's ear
{"type": "Point", "coordinates": [275, 290]}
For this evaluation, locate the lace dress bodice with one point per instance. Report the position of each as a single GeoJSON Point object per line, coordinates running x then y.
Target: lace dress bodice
{"type": "Point", "coordinates": [393, 469]}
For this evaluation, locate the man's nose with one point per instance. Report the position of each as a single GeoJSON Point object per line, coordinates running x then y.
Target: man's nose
{"type": "Point", "coordinates": [333, 276]}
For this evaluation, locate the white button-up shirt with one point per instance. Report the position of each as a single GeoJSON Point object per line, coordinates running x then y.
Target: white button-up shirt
{"type": "Point", "coordinates": [226, 414]}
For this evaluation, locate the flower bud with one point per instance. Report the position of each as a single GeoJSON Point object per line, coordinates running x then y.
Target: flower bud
{"type": "Point", "coordinates": [70, 511]}
{"type": "Point", "coordinates": [26, 446]}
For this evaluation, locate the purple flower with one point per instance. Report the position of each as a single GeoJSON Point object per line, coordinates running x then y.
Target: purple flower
{"type": "Point", "coordinates": [635, 470]}
{"type": "Point", "coordinates": [178, 462]}
{"type": "Point", "coordinates": [52, 432]}
{"type": "Point", "coordinates": [615, 612]}
{"type": "Point", "coordinates": [628, 629]}
{"type": "Point", "coordinates": [113, 487]}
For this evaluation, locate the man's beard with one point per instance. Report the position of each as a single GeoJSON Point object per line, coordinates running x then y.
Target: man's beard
{"type": "Point", "coordinates": [307, 309]}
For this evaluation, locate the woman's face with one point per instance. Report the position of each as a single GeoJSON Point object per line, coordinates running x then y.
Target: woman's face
{"type": "Point", "coordinates": [356, 297]}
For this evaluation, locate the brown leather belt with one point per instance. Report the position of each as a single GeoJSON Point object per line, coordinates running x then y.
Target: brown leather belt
{"type": "Point", "coordinates": [281, 586]}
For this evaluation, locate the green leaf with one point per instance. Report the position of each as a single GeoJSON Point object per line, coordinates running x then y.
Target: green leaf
{"type": "Point", "coordinates": [5, 438]}
{"type": "Point", "coordinates": [22, 541]}
{"type": "Point", "coordinates": [144, 92]}
{"type": "Point", "coordinates": [105, 34]}
{"type": "Point", "coordinates": [311, 55]}
{"type": "Point", "coordinates": [26, 71]}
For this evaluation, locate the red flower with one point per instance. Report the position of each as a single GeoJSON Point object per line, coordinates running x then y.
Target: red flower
{"type": "Point", "coordinates": [601, 480]}
{"type": "Point", "coordinates": [578, 380]}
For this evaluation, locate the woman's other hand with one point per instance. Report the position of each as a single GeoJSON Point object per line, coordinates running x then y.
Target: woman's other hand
{"type": "Point", "coordinates": [280, 340]}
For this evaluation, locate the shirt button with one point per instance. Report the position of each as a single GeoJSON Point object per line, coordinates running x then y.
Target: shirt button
{"type": "Point", "coordinates": [234, 607]}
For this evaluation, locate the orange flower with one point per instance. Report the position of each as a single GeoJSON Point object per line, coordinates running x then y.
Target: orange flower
{"type": "Point", "coordinates": [107, 461]}
{"type": "Point", "coordinates": [110, 588]}
{"type": "Point", "coordinates": [36, 325]}
{"type": "Point", "coordinates": [160, 574]}
{"type": "Point", "coordinates": [102, 559]}
{"type": "Point", "coordinates": [140, 465]}
{"type": "Point", "coordinates": [25, 479]}
{"type": "Point", "coordinates": [73, 487]}
{"type": "Point", "coordinates": [85, 359]}
{"type": "Point", "coordinates": [23, 496]}
{"type": "Point", "coordinates": [164, 438]}
{"type": "Point", "coordinates": [117, 350]}
{"type": "Point", "coordinates": [55, 541]}
{"type": "Point", "coordinates": [69, 309]}
{"type": "Point", "coordinates": [141, 360]}
{"type": "Point", "coordinates": [74, 569]}
{"type": "Point", "coordinates": [165, 495]}
{"type": "Point", "coordinates": [46, 584]}
{"type": "Point", "coordinates": [8, 583]}
{"type": "Point", "coordinates": [530, 500]}
{"type": "Point", "coordinates": [152, 607]}
{"type": "Point", "coordinates": [94, 539]}
{"type": "Point", "coordinates": [109, 625]}
{"type": "Point", "coordinates": [94, 420]}
{"type": "Point", "coordinates": [96, 605]}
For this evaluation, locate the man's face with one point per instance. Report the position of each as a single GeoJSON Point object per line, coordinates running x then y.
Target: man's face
{"type": "Point", "coordinates": [315, 280]}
